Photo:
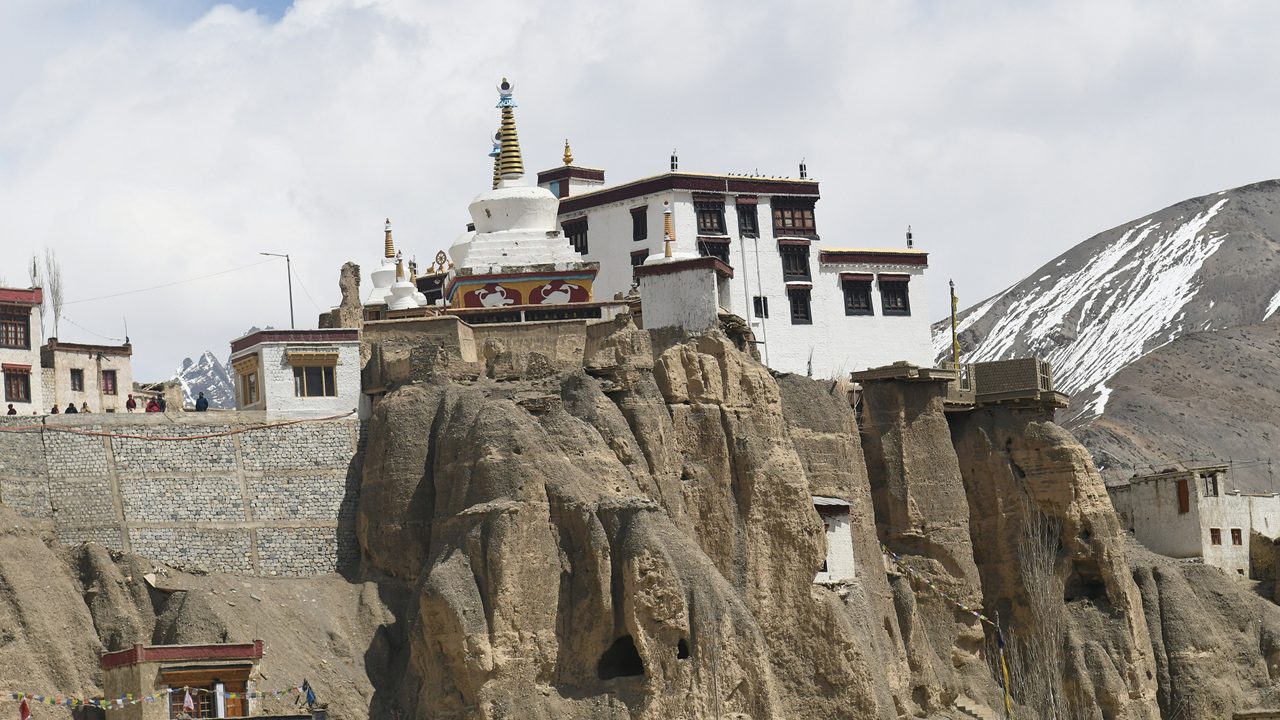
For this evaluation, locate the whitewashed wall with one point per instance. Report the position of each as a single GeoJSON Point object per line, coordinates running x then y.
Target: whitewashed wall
{"type": "Point", "coordinates": [840, 560]}
{"type": "Point", "coordinates": [1226, 512]}
{"type": "Point", "coordinates": [275, 381]}
{"type": "Point", "coordinates": [1150, 510]}
{"type": "Point", "coordinates": [28, 356]}
{"type": "Point", "coordinates": [686, 298]}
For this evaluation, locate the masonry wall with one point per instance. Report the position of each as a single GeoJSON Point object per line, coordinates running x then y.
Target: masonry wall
{"type": "Point", "coordinates": [269, 501]}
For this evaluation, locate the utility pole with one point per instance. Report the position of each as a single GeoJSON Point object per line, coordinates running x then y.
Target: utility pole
{"type": "Point", "coordinates": [288, 269]}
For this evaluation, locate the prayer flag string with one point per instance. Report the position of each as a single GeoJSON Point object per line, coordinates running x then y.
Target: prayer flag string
{"type": "Point", "coordinates": [121, 701]}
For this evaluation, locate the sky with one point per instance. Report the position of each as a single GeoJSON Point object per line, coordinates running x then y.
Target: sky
{"type": "Point", "coordinates": [169, 142]}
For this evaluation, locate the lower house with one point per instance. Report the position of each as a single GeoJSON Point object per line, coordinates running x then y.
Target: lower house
{"type": "Point", "coordinates": [217, 676]}
{"type": "Point", "coordinates": [1189, 513]}
{"type": "Point", "coordinates": [99, 376]}
{"type": "Point", "coordinates": [313, 372]}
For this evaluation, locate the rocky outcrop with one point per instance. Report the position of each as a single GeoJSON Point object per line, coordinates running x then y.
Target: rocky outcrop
{"type": "Point", "coordinates": [350, 310]}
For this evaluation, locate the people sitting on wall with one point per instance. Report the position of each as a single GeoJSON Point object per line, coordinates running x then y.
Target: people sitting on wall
{"type": "Point", "coordinates": [202, 403]}
{"type": "Point", "coordinates": [130, 405]}
{"type": "Point", "coordinates": [11, 410]}
{"type": "Point", "coordinates": [153, 406]}
{"type": "Point", "coordinates": [54, 411]}
{"type": "Point", "coordinates": [84, 407]}
{"type": "Point", "coordinates": [71, 409]}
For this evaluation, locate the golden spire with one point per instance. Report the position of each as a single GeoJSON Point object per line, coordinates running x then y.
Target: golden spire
{"type": "Point", "coordinates": [668, 229]}
{"type": "Point", "coordinates": [399, 268]}
{"type": "Point", "coordinates": [955, 340]}
{"type": "Point", "coordinates": [568, 153]}
{"type": "Point", "coordinates": [510, 163]}
{"type": "Point", "coordinates": [390, 249]}
{"type": "Point", "coordinates": [496, 154]}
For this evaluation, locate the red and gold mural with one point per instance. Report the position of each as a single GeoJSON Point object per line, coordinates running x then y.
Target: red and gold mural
{"type": "Point", "coordinates": [489, 291]}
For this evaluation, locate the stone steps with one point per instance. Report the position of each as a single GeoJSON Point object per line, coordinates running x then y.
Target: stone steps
{"type": "Point", "coordinates": [974, 709]}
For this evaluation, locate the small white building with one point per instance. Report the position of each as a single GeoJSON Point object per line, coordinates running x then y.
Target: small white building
{"type": "Point", "coordinates": [20, 336]}
{"type": "Point", "coordinates": [312, 372]}
{"type": "Point", "coordinates": [839, 562]}
{"type": "Point", "coordinates": [817, 305]}
{"type": "Point", "coordinates": [1189, 513]}
{"type": "Point", "coordinates": [97, 376]}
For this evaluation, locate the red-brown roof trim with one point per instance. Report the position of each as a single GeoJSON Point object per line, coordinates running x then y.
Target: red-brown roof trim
{"type": "Point", "coordinates": [15, 367]}
{"type": "Point", "coordinates": [872, 257]}
{"type": "Point", "coordinates": [860, 277]}
{"type": "Point", "coordinates": [720, 184]}
{"type": "Point", "coordinates": [262, 336]}
{"type": "Point", "coordinates": [181, 653]}
{"type": "Point", "coordinates": [666, 268]}
{"type": "Point", "coordinates": [29, 296]}
{"type": "Point", "coordinates": [565, 172]}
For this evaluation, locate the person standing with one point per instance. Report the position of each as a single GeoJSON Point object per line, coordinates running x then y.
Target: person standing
{"type": "Point", "coordinates": [202, 403]}
{"type": "Point", "coordinates": [130, 405]}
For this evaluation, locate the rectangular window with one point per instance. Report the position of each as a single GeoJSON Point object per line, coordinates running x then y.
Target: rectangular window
{"type": "Point", "coordinates": [894, 299]}
{"type": "Point", "coordinates": [1215, 536]}
{"type": "Point", "coordinates": [793, 217]}
{"type": "Point", "coordinates": [711, 248]}
{"type": "Point", "coordinates": [555, 187]}
{"type": "Point", "coordinates": [748, 221]}
{"type": "Point", "coordinates": [1210, 484]}
{"type": "Point", "coordinates": [1237, 538]}
{"type": "Point", "coordinates": [1184, 497]}
{"type": "Point", "coordinates": [77, 380]}
{"type": "Point", "coordinates": [638, 257]}
{"type": "Point", "coordinates": [760, 304]}
{"type": "Point", "coordinates": [640, 223]}
{"type": "Point", "coordinates": [710, 216]}
{"type": "Point", "coordinates": [248, 388]}
{"type": "Point", "coordinates": [576, 231]}
{"type": "Point", "coordinates": [314, 381]}
{"type": "Point", "coordinates": [800, 313]}
{"type": "Point", "coordinates": [15, 329]}
{"type": "Point", "coordinates": [795, 262]}
{"type": "Point", "coordinates": [857, 297]}
{"type": "Point", "coordinates": [108, 382]}
{"type": "Point", "coordinates": [17, 386]}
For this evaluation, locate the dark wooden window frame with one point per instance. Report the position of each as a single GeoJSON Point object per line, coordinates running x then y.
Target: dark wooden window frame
{"type": "Point", "coordinates": [857, 297]}
{"type": "Point", "coordinates": [795, 262]}
{"type": "Point", "coordinates": [895, 297]}
{"type": "Point", "coordinates": [801, 305]}
{"type": "Point", "coordinates": [710, 215]}
{"type": "Point", "coordinates": [576, 231]}
{"type": "Point", "coordinates": [17, 386]}
{"type": "Point", "coordinates": [1184, 497]}
{"type": "Point", "coordinates": [15, 329]}
{"type": "Point", "coordinates": [107, 382]}
{"type": "Point", "coordinates": [793, 217]}
{"type": "Point", "coordinates": [306, 377]}
{"type": "Point", "coordinates": [1215, 536]}
{"type": "Point", "coordinates": [1237, 537]}
{"type": "Point", "coordinates": [748, 220]}
{"type": "Point", "coordinates": [760, 306]}
{"type": "Point", "coordinates": [714, 248]}
{"type": "Point", "coordinates": [640, 223]}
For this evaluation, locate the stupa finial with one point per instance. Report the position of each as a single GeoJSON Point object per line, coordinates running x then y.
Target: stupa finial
{"type": "Point", "coordinates": [496, 154]}
{"type": "Point", "coordinates": [668, 229]}
{"type": "Point", "coordinates": [390, 250]}
{"type": "Point", "coordinates": [568, 153]}
{"type": "Point", "coordinates": [511, 164]}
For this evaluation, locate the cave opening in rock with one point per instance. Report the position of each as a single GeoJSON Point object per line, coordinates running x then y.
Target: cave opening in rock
{"type": "Point", "coordinates": [682, 649]}
{"type": "Point", "coordinates": [620, 660]}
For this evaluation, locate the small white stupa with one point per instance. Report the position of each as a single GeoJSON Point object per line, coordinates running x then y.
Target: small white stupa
{"type": "Point", "coordinates": [385, 276]}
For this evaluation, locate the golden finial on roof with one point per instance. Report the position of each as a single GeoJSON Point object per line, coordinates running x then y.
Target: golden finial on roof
{"type": "Point", "coordinates": [568, 153]}
{"type": "Point", "coordinates": [399, 268]}
{"type": "Point", "coordinates": [668, 229]}
{"type": "Point", "coordinates": [511, 164]}
{"type": "Point", "coordinates": [496, 154]}
{"type": "Point", "coordinates": [390, 249]}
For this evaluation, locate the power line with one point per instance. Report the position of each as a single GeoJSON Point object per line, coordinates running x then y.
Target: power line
{"type": "Point", "coordinates": [168, 284]}
{"type": "Point", "coordinates": [97, 334]}
{"type": "Point", "coordinates": [305, 291]}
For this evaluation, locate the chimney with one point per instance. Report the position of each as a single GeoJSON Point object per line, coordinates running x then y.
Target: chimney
{"type": "Point", "coordinates": [675, 161]}
{"type": "Point", "coordinates": [910, 243]}
{"type": "Point", "coordinates": [804, 170]}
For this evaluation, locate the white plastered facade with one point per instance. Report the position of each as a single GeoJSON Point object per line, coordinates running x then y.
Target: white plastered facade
{"type": "Point", "coordinates": [276, 391]}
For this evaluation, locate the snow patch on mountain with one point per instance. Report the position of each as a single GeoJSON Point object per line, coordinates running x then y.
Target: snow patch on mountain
{"type": "Point", "coordinates": [1272, 306]}
{"type": "Point", "coordinates": [1121, 303]}
{"type": "Point", "coordinates": [206, 374]}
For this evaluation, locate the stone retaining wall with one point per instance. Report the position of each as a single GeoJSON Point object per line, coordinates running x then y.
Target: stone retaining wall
{"type": "Point", "coordinates": [276, 501]}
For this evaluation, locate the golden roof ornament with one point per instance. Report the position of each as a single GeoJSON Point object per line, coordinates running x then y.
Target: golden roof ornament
{"type": "Point", "coordinates": [511, 164]}
{"type": "Point", "coordinates": [496, 154]}
{"type": "Point", "coordinates": [389, 251]}
{"type": "Point", "coordinates": [568, 153]}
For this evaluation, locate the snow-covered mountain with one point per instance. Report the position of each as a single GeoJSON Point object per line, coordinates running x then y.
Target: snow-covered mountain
{"type": "Point", "coordinates": [206, 374]}
{"type": "Point", "coordinates": [1208, 264]}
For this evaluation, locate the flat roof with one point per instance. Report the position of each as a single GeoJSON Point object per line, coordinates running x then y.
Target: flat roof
{"type": "Point", "coordinates": [56, 345]}
{"type": "Point", "coordinates": [330, 335]}
{"type": "Point", "coordinates": [695, 182]}
{"type": "Point", "coordinates": [21, 296]}
{"type": "Point", "coordinates": [181, 653]}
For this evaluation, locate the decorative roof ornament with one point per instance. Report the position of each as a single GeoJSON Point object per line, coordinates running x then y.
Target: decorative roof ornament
{"type": "Point", "coordinates": [510, 163]}
{"type": "Point", "coordinates": [568, 153]}
{"type": "Point", "coordinates": [668, 229]}
{"type": "Point", "coordinates": [496, 154]}
{"type": "Point", "coordinates": [675, 161]}
{"type": "Point", "coordinates": [389, 251]}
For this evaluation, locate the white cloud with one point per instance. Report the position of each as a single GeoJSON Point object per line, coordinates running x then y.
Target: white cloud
{"type": "Point", "coordinates": [150, 145]}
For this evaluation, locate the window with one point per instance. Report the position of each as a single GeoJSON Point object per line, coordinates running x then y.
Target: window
{"type": "Point", "coordinates": [795, 262]}
{"type": "Point", "coordinates": [1237, 538]}
{"type": "Point", "coordinates": [15, 328]}
{"type": "Point", "coordinates": [748, 224]}
{"type": "Point", "coordinates": [793, 217]}
{"type": "Point", "coordinates": [554, 187]}
{"type": "Point", "coordinates": [638, 257]}
{"type": "Point", "coordinates": [640, 223]}
{"type": "Point", "coordinates": [1210, 484]}
{"type": "Point", "coordinates": [857, 297]}
{"type": "Point", "coordinates": [800, 313]}
{"type": "Point", "coordinates": [77, 380]}
{"type": "Point", "coordinates": [893, 297]}
{"type": "Point", "coordinates": [1184, 497]}
{"type": "Point", "coordinates": [108, 382]}
{"type": "Point", "coordinates": [761, 305]}
{"type": "Point", "coordinates": [17, 386]}
{"type": "Point", "coordinates": [710, 216]}
{"type": "Point", "coordinates": [249, 388]}
{"type": "Point", "coordinates": [711, 248]}
{"type": "Point", "coordinates": [1215, 536]}
{"type": "Point", "coordinates": [314, 381]}
{"type": "Point", "coordinates": [576, 231]}
{"type": "Point", "coordinates": [203, 684]}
